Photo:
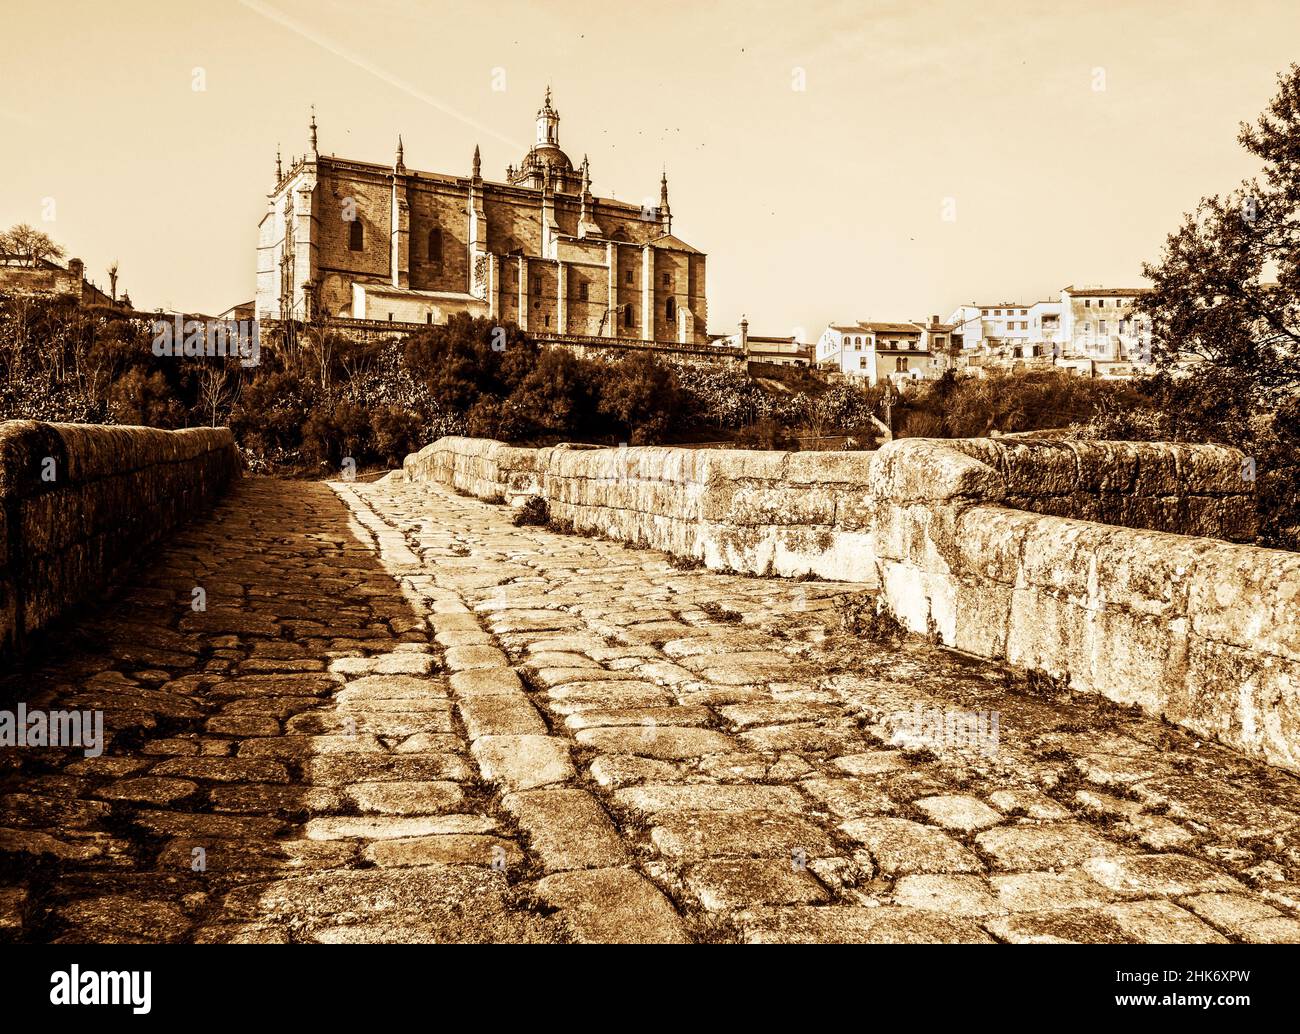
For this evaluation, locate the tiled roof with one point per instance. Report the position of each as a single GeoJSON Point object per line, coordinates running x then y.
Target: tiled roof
{"type": "Point", "coordinates": [1105, 292]}
{"type": "Point", "coordinates": [891, 328]}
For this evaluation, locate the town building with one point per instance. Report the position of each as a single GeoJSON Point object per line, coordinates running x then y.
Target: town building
{"type": "Point", "coordinates": [1006, 328]}
{"type": "Point", "coordinates": [1091, 331]}
{"type": "Point", "coordinates": [367, 241]}
{"type": "Point", "coordinates": [779, 351]}
{"type": "Point", "coordinates": [885, 351]}
{"type": "Point", "coordinates": [1099, 323]}
{"type": "Point", "coordinates": [241, 311]}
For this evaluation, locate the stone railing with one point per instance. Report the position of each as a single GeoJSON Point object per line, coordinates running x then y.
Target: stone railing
{"type": "Point", "coordinates": [1111, 564]}
{"type": "Point", "coordinates": [78, 502]}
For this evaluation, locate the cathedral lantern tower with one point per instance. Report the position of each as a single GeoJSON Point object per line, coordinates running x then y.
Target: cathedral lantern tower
{"type": "Point", "coordinates": [548, 123]}
{"type": "Point", "coordinates": [545, 157]}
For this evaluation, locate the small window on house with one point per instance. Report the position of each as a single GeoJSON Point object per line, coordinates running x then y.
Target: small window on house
{"type": "Point", "coordinates": [862, 363]}
{"type": "Point", "coordinates": [537, 287]}
{"type": "Point", "coordinates": [627, 277]}
{"type": "Point", "coordinates": [428, 317]}
{"type": "Point", "coordinates": [668, 279]}
{"type": "Point", "coordinates": [356, 236]}
{"type": "Point", "coordinates": [1087, 303]}
{"type": "Point", "coordinates": [435, 245]}
{"type": "Point", "coordinates": [582, 291]}
{"type": "Point", "coordinates": [548, 319]}
{"type": "Point", "coordinates": [670, 309]}
{"type": "Point", "coordinates": [629, 319]}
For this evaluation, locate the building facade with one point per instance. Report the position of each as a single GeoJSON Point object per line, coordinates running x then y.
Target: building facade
{"type": "Point", "coordinates": [1006, 328]}
{"type": "Point", "coordinates": [1100, 324]}
{"type": "Point", "coordinates": [359, 240]}
{"type": "Point", "coordinates": [778, 351]}
{"type": "Point", "coordinates": [1092, 331]}
{"type": "Point", "coordinates": [885, 351]}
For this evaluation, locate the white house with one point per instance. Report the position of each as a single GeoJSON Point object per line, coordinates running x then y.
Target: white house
{"type": "Point", "coordinates": [880, 351]}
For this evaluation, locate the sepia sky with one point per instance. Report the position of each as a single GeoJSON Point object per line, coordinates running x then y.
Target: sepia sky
{"type": "Point", "coordinates": [826, 203]}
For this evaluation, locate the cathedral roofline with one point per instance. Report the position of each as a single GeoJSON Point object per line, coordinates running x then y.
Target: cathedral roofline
{"type": "Point", "coordinates": [385, 171]}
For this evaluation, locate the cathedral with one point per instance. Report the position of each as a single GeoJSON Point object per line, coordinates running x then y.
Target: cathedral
{"type": "Point", "coordinates": [352, 239]}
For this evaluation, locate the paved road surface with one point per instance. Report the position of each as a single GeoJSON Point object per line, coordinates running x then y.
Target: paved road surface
{"type": "Point", "coordinates": [402, 718]}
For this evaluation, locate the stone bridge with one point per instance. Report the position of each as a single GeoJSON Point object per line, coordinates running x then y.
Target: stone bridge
{"type": "Point", "coordinates": [689, 709]}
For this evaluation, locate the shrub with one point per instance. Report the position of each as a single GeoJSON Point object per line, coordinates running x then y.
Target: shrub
{"type": "Point", "coordinates": [644, 399]}
{"type": "Point", "coordinates": [766, 434]}
{"type": "Point", "coordinates": [396, 432]}
{"type": "Point", "coordinates": [535, 511]}
{"type": "Point", "coordinates": [145, 398]}
{"type": "Point", "coordinates": [332, 433]}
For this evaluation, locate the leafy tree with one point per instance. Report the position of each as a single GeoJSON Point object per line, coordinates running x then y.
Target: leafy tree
{"type": "Point", "coordinates": [642, 396]}
{"type": "Point", "coordinates": [1227, 287]}
{"type": "Point", "coordinates": [271, 413]}
{"type": "Point", "coordinates": [493, 417]}
{"type": "Point", "coordinates": [470, 357]}
{"type": "Point", "coordinates": [1225, 317]}
{"type": "Point", "coordinates": [1036, 400]}
{"type": "Point", "coordinates": [397, 432]}
{"type": "Point", "coordinates": [558, 396]}
{"type": "Point", "coordinates": [144, 398]}
{"type": "Point", "coordinates": [333, 432]}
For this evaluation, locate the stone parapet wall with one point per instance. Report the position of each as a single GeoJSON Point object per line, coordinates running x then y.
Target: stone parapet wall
{"type": "Point", "coordinates": [758, 512]}
{"type": "Point", "coordinates": [1189, 489]}
{"type": "Point", "coordinates": [1110, 564]}
{"type": "Point", "coordinates": [80, 501]}
{"type": "Point", "coordinates": [1203, 632]}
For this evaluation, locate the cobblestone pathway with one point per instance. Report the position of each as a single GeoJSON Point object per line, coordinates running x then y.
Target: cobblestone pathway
{"type": "Point", "coordinates": [402, 718]}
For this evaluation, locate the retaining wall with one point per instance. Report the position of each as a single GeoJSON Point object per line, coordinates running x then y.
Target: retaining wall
{"type": "Point", "coordinates": [78, 502]}
{"type": "Point", "coordinates": [1113, 564]}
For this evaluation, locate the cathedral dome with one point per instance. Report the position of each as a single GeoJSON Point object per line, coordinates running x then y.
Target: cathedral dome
{"type": "Point", "coordinates": [544, 159]}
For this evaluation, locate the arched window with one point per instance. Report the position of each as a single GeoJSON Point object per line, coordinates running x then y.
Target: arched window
{"type": "Point", "coordinates": [629, 320]}
{"type": "Point", "coordinates": [670, 309]}
{"type": "Point", "coordinates": [356, 236]}
{"type": "Point", "coordinates": [435, 245]}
